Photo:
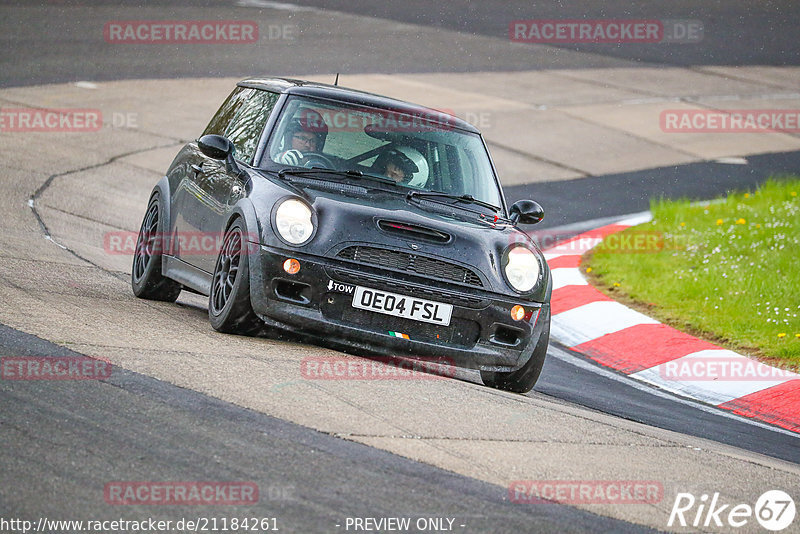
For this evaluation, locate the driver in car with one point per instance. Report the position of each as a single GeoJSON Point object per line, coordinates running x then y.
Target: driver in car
{"type": "Point", "coordinates": [305, 134]}
{"type": "Point", "coordinates": [404, 165]}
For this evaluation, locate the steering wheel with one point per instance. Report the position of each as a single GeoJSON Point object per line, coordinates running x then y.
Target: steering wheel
{"type": "Point", "coordinates": [315, 159]}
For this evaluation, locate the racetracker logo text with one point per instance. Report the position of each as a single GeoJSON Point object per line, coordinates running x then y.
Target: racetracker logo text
{"type": "Point", "coordinates": [585, 491]}
{"type": "Point", "coordinates": [730, 121]}
{"type": "Point", "coordinates": [50, 120]}
{"type": "Point", "coordinates": [54, 368]}
{"type": "Point", "coordinates": [368, 119]}
{"type": "Point", "coordinates": [605, 31]}
{"type": "Point", "coordinates": [722, 369]}
{"type": "Point", "coordinates": [586, 31]}
{"type": "Point", "coordinates": [633, 242]}
{"type": "Point", "coordinates": [181, 493]}
{"type": "Point", "coordinates": [376, 368]}
{"type": "Point", "coordinates": [628, 242]}
{"type": "Point", "coordinates": [177, 243]}
{"type": "Point", "coordinates": [181, 32]}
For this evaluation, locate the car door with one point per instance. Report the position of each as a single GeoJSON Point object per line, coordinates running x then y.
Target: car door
{"type": "Point", "coordinates": [210, 190]}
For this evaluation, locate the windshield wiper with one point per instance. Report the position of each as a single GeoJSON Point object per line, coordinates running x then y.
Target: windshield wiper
{"type": "Point", "coordinates": [300, 172]}
{"type": "Point", "coordinates": [461, 198]}
{"type": "Point", "coordinates": [349, 173]}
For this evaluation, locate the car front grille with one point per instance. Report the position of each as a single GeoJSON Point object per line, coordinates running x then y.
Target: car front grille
{"type": "Point", "coordinates": [410, 263]}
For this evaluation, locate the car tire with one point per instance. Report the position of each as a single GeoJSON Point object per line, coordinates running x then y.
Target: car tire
{"type": "Point", "coordinates": [523, 379]}
{"type": "Point", "coordinates": [229, 307]}
{"type": "Point", "coordinates": [147, 281]}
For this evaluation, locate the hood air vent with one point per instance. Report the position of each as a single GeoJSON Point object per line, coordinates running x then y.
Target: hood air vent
{"type": "Point", "coordinates": [413, 231]}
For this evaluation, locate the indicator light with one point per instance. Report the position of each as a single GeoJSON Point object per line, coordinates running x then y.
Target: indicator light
{"type": "Point", "coordinates": [291, 266]}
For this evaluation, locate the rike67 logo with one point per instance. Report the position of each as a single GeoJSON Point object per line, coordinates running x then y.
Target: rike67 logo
{"type": "Point", "coordinates": [774, 510]}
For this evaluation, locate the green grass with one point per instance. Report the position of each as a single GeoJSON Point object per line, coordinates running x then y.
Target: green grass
{"type": "Point", "coordinates": [728, 271]}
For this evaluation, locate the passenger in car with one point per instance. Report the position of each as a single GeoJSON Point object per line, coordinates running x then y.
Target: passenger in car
{"type": "Point", "coordinates": [404, 165]}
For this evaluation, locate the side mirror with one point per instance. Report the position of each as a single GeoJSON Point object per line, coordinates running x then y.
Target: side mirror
{"type": "Point", "coordinates": [526, 212]}
{"type": "Point", "coordinates": [215, 146]}
{"type": "Point", "coordinates": [221, 148]}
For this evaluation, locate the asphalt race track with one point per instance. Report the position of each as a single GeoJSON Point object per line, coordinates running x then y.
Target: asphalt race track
{"type": "Point", "coordinates": [185, 403]}
{"type": "Point", "coordinates": [307, 479]}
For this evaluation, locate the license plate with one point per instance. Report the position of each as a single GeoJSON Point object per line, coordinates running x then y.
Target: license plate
{"type": "Point", "coordinates": [426, 311]}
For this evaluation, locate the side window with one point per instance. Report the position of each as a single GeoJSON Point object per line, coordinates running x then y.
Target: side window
{"type": "Point", "coordinates": [241, 118]}
{"type": "Point", "coordinates": [246, 127]}
{"type": "Point", "coordinates": [227, 111]}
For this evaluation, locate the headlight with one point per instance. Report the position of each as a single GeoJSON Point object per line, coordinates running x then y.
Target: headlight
{"type": "Point", "coordinates": [522, 269]}
{"type": "Point", "coordinates": [293, 221]}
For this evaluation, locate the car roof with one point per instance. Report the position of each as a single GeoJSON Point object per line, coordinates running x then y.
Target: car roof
{"type": "Point", "coordinates": [354, 96]}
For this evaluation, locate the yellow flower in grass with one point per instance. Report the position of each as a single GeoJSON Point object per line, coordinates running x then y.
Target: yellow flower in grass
{"type": "Point", "coordinates": [782, 335]}
{"type": "Point", "coordinates": [797, 336]}
{"type": "Point", "coordinates": [747, 195]}
{"type": "Point", "coordinates": [793, 193]}
{"type": "Point", "coordinates": [758, 226]}
{"type": "Point", "coordinates": [588, 269]}
{"type": "Point", "coordinates": [740, 221]}
{"type": "Point", "coordinates": [616, 284]}
{"type": "Point", "coordinates": [719, 222]}
{"type": "Point", "coordinates": [683, 224]}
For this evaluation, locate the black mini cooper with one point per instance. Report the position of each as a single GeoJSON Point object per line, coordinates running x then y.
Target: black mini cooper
{"type": "Point", "coordinates": [365, 221]}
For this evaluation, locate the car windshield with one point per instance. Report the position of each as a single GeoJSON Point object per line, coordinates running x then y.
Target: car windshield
{"type": "Point", "coordinates": [409, 148]}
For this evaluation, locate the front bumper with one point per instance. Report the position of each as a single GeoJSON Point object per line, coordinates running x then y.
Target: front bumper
{"type": "Point", "coordinates": [317, 301]}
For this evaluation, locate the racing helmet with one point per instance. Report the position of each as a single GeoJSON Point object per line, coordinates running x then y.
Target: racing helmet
{"type": "Point", "coordinates": [307, 120]}
{"type": "Point", "coordinates": [410, 160]}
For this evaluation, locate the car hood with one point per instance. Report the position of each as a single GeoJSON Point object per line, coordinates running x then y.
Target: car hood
{"type": "Point", "coordinates": [352, 215]}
